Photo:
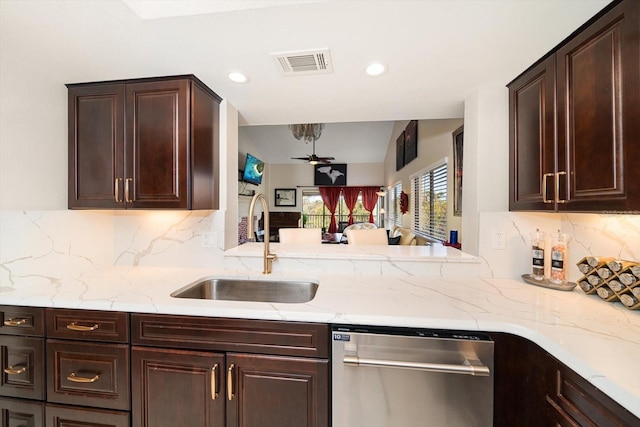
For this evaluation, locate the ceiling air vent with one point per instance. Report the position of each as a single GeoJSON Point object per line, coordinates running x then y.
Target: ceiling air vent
{"type": "Point", "coordinates": [304, 63]}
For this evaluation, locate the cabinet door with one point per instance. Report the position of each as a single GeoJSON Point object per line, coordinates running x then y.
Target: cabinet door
{"type": "Point", "coordinates": [96, 138]}
{"type": "Point", "coordinates": [532, 139]}
{"type": "Point", "coordinates": [519, 383]}
{"type": "Point", "coordinates": [269, 391]}
{"type": "Point", "coordinates": [598, 77]}
{"type": "Point", "coordinates": [177, 388]}
{"type": "Point", "coordinates": [156, 154]}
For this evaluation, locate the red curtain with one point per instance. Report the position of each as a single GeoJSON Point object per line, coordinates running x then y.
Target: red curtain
{"type": "Point", "coordinates": [350, 195]}
{"type": "Point", "coordinates": [369, 199]}
{"type": "Point", "coordinates": [330, 197]}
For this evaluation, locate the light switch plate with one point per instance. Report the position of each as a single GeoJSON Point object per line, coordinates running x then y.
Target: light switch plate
{"type": "Point", "coordinates": [498, 239]}
{"type": "Point", "coordinates": [210, 239]}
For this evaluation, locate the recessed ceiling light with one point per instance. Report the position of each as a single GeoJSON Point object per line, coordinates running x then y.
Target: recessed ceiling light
{"type": "Point", "coordinates": [376, 69]}
{"type": "Point", "coordinates": [238, 77]}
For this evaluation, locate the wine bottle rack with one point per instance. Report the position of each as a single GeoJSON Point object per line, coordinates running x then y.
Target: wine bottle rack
{"type": "Point", "coordinates": [611, 279]}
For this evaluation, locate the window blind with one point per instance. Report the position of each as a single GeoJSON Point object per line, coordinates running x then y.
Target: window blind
{"type": "Point", "coordinates": [394, 216]}
{"type": "Point", "coordinates": [429, 189]}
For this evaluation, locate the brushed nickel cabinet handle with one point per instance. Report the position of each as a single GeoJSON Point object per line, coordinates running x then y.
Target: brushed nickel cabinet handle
{"type": "Point", "coordinates": [214, 386]}
{"type": "Point", "coordinates": [74, 377]}
{"type": "Point", "coordinates": [544, 188]}
{"type": "Point", "coordinates": [81, 328]}
{"type": "Point", "coordinates": [15, 370]}
{"type": "Point", "coordinates": [230, 394]}
{"type": "Point", "coordinates": [15, 322]}
{"type": "Point", "coordinates": [127, 194]}
{"type": "Point", "coordinates": [116, 190]}
{"type": "Point", "coordinates": [558, 199]}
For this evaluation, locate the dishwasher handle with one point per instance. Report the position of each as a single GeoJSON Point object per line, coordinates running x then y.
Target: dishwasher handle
{"type": "Point", "coordinates": [469, 367]}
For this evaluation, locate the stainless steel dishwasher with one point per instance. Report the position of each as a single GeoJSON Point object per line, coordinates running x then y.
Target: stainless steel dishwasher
{"type": "Point", "coordinates": [405, 377]}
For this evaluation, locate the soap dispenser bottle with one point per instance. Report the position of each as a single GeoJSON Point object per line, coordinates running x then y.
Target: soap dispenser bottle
{"type": "Point", "coordinates": [537, 254]}
{"type": "Point", "coordinates": [559, 258]}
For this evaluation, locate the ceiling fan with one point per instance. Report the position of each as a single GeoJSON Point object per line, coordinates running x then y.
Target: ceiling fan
{"type": "Point", "coordinates": [313, 158]}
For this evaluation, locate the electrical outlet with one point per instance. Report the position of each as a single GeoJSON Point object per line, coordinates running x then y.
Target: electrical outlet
{"type": "Point", "coordinates": [498, 239]}
{"type": "Point", "coordinates": [209, 239]}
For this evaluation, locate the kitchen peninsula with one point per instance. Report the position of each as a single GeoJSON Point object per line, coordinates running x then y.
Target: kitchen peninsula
{"type": "Point", "coordinates": [578, 330]}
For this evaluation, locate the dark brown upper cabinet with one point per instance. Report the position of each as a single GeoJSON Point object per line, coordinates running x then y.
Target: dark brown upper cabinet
{"type": "Point", "coordinates": [574, 133]}
{"type": "Point", "coordinates": [144, 143]}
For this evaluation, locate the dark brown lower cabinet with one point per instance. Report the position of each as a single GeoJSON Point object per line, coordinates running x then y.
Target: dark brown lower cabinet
{"type": "Point", "coordinates": [534, 389]}
{"type": "Point", "coordinates": [274, 391]}
{"type": "Point", "coordinates": [21, 413]}
{"type": "Point", "coordinates": [210, 389]}
{"type": "Point", "coordinates": [571, 400]}
{"type": "Point", "coordinates": [69, 416]}
{"type": "Point", "coordinates": [216, 372]}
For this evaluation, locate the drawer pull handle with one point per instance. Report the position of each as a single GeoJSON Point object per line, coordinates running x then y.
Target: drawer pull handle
{"type": "Point", "coordinates": [77, 379]}
{"type": "Point", "coordinates": [81, 328]}
{"type": "Point", "coordinates": [15, 322]}
{"type": "Point", "coordinates": [230, 394]}
{"type": "Point", "coordinates": [214, 386]}
{"type": "Point", "coordinates": [15, 370]}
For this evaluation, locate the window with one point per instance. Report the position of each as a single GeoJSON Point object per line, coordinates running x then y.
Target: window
{"type": "Point", "coordinates": [316, 215]}
{"type": "Point", "coordinates": [429, 192]}
{"type": "Point", "coordinates": [394, 216]}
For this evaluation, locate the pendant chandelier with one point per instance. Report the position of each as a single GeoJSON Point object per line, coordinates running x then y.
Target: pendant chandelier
{"type": "Point", "coordinates": [307, 132]}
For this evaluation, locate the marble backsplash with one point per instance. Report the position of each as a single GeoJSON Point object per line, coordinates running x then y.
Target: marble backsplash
{"type": "Point", "coordinates": [51, 245]}
{"type": "Point", "coordinates": [590, 234]}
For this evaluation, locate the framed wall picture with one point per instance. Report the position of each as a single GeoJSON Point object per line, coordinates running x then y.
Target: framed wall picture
{"type": "Point", "coordinates": [331, 174]}
{"type": "Point", "coordinates": [410, 142]}
{"type": "Point", "coordinates": [400, 152]}
{"type": "Point", "coordinates": [458, 151]}
{"type": "Point", "coordinates": [285, 197]}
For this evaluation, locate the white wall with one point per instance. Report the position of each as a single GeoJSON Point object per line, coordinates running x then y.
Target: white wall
{"type": "Point", "coordinates": [486, 159]}
{"type": "Point", "coordinates": [435, 142]}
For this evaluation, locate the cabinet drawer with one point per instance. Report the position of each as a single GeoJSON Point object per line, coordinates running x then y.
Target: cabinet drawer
{"type": "Point", "coordinates": [22, 372]}
{"type": "Point", "coordinates": [88, 374]}
{"type": "Point", "coordinates": [21, 320]}
{"type": "Point", "coordinates": [109, 326]}
{"type": "Point", "coordinates": [221, 334]}
{"type": "Point", "coordinates": [16, 412]}
{"type": "Point", "coordinates": [65, 416]}
{"type": "Point", "coordinates": [572, 400]}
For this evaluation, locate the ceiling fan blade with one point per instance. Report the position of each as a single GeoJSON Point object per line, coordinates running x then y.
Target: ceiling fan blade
{"type": "Point", "coordinates": [300, 158]}
{"type": "Point", "coordinates": [324, 160]}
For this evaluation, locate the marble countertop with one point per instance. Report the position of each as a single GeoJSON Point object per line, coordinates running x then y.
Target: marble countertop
{"type": "Point", "coordinates": [600, 341]}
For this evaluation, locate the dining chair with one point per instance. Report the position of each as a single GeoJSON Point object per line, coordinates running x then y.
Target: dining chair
{"type": "Point", "coordinates": [375, 236]}
{"type": "Point", "coordinates": [301, 235]}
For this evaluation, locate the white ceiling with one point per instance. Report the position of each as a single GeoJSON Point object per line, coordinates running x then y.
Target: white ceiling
{"type": "Point", "coordinates": [438, 52]}
{"type": "Point", "coordinates": [353, 142]}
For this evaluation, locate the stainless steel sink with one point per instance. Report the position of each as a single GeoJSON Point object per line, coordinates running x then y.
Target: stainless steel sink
{"type": "Point", "coordinates": [282, 291]}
